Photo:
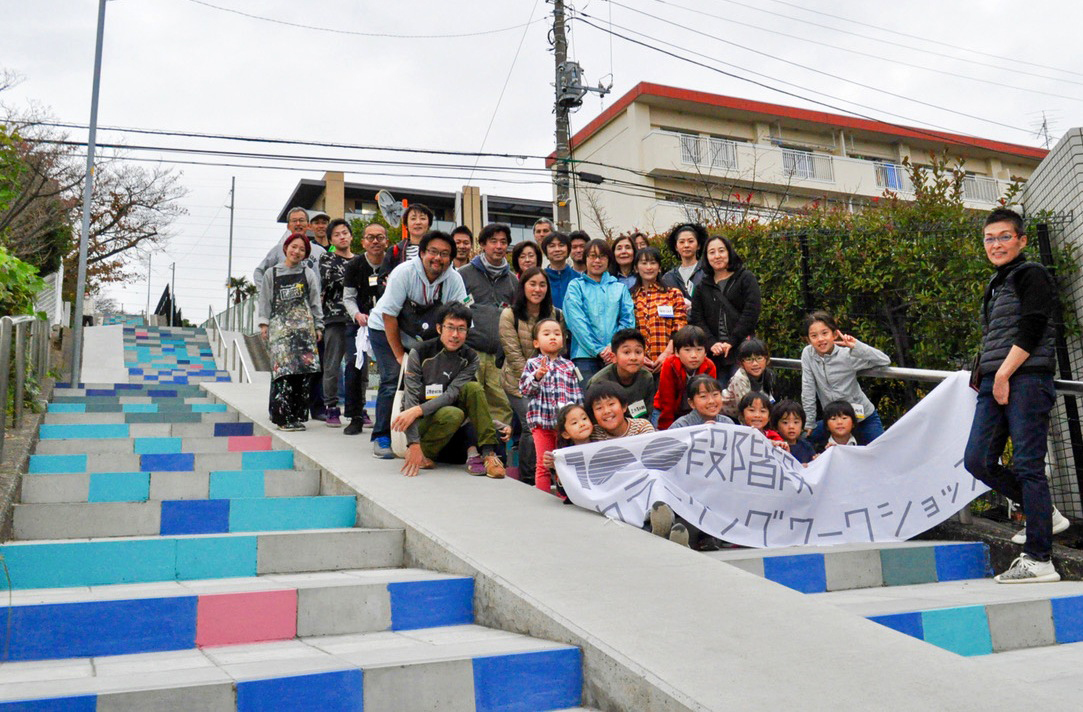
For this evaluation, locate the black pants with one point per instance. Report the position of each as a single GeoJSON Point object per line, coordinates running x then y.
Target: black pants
{"type": "Point", "coordinates": [289, 399]}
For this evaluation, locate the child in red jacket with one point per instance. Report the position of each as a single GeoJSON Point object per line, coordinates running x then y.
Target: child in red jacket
{"type": "Point", "coordinates": [689, 359]}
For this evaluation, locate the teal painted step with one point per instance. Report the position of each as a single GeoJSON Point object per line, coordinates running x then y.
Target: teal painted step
{"type": "Point", "coordinates": [98, 562]}
{"type": "Point", "coordinates": [141, 486]}
{"type": "Point", "coordinates": [79, 520]}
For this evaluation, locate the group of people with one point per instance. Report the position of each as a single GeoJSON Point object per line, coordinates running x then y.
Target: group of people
{"type": "Point", "coordinates": [562, 339]}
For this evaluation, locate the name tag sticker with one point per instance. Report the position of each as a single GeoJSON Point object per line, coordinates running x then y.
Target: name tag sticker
{"type": "Point", "coordinates": [637, 409]}
{"type": "Point", "coordinates": [433, 391]}
{"type": "Point", "coordinates": [859, 410]}
{"type": "Point", "coordinates": [665, 311]}
{"type": "Point", "coordinates": [373, 279]}
{"type": "Point", "coordinates": [469, 301]}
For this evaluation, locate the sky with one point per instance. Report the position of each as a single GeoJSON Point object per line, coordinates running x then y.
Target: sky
{"type": "Point", "coordinates": [477, 76]}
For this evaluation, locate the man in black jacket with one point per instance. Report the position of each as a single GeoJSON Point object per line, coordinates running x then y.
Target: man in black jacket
{"type": "Point", "coordinates": [1016, 392]}
{"type": "Point", "coordinates": [440, 393]}
{"type": "Point", "coordinates": [362, 286]}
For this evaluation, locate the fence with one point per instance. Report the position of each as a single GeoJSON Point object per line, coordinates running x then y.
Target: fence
{"type": "Point", "coordinates": [230, 354]}
{"type": "Point", "coordinates": [238, 317]}
{"type": "Point", "coordinates": [27, 339]}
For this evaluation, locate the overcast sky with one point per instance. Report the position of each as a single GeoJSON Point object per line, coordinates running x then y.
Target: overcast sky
{"type": "Point", "coordinates": [181, 65]}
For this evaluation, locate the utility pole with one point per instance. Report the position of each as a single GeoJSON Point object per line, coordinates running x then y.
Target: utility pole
{"type": "Point", "coordinates": [570, 91]}
{"type": "Point", "coordinates": [88, 191]}
{"type": "Point", "coordinates": [150, 259]}
{"type": "Point", "coordinates": [173, 294]}
{"type": "Point", "coordinates": [229, 262]}
{"type": "Point", "coordinates": [560, 179]}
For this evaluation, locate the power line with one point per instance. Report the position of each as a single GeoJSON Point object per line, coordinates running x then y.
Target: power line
{"type": "Point", "coordinates": [337, 31]}
{"type": "Point", "coordinates": [896, 31]}
{"type": "Point", "coordinates": [856, 34]}
{"type": "Point", "coordinates": [843, 49]}
{"type": "Point", "coordinates": [500, 98]}
{"type": "Point", "coordinates": [937, 136]}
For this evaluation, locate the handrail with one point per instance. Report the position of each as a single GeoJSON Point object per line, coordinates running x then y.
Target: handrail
{"type": "Point", "coordinates": [230, 354]}
{"type": "Point", "coordinates": [32, 356]}
{"type": "Point", "coordinates": [923, 375]}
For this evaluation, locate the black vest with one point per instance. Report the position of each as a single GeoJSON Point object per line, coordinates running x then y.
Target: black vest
{"type": "Point", "coordinates": [1000, 326]}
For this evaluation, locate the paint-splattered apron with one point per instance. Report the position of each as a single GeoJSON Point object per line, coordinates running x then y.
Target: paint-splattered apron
{"type": "Point", "coordinates": [292, 332]}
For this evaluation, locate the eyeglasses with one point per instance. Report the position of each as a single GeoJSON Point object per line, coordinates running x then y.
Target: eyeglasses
{"type": "Point", "coordinates": [1002, 238]}
{"type": "Point", "coordinates": [455, 329]}
{"type": "Point", "coordinates": [378, 237]}
{"type": "Point", "coordinates": [754, 359]}
{"type": "Point", "coordinates": [442, 254]}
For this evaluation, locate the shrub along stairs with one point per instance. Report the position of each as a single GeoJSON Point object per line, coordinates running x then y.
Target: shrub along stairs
{"type": "Point", "coordinates": [168, 556]}
{"type": "Point", "coordinates": [942, 593]}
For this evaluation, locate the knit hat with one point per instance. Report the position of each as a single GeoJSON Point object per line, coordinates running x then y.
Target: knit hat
{"type": "Point", "coordinates": [298, 236]}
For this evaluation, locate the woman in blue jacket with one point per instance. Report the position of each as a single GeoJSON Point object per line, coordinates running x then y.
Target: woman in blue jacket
{"type": "Point", "coordinates": [596, 306]}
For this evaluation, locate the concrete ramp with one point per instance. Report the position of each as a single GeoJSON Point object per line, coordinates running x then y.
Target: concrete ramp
{"type": "Point", "coordinates": [103, 354]}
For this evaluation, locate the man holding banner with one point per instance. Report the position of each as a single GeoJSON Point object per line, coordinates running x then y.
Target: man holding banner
{"type": "Point", "coordinates": [1014, 376]}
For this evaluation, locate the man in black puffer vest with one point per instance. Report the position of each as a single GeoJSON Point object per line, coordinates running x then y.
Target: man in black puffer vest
{"type": "Point", "coordinates": [1016, 392]}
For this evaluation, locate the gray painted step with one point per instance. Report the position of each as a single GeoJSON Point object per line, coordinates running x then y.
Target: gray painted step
{"type": "Point", "coordinates": [425, 669]}
{"type": "Point", "coordinates": [167, 418]}
{"type": "Point", "coordinates": [41, 489]}
{"type": "Point", "coordinates": [132, 445]}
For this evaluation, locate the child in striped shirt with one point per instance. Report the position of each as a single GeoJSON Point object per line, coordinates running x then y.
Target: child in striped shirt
{"type": "Point", "coordinates": [549, 381]}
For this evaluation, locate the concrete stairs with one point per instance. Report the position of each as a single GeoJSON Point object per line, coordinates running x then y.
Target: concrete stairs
{"type": "Point", "coordinates": [939, 592]}
{"type": "Point", "coordinates": [168, 354]}
{"type": "Point", "coordinates": [168, 556]}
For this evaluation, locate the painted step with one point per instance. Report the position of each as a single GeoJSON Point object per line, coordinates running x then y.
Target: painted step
{"type": "Point", "coordinates": [450, 668]}
{"type": "Point", "coordinates": [93, 430]}
{"type": "Point", "coordinates": [146, 414]}
{"type": "Point", "coordinates": [160, 462]}
{"type": "Point", "coordinates": [143, 486]}
{"type": "Point", "coordinates": [100, 562]}
{"type": "Point", "coordinates": [146, 445]}
{"type": "Point", "coordinates": [975, 617]}
{"type": "Point", "coordinates": [858, 566]}
{"type": "Point", "coordinates": [126, 389]}
{"type": "Point", "coordinates": [178, 517]}
{"type": "Point", "coordinates": [155, 617]}
{"type": "Point", "coordinates": [163, 398]}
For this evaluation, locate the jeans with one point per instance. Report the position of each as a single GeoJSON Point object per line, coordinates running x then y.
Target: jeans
{"type": "Point", "coordinates": [334, 348]}
{"type": "Point", "coordinates": [1025, 419]}
{"type": "Point", "coordinates": [866, 430]}
{"type": "Point", "coordinates": [526, 441]}
{"type": "Point", "coordinates": [587, 368]}
{"type": "Point", "coordinates": [389, 378]}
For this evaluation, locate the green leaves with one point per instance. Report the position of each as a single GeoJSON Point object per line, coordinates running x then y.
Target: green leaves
{"type": "Point", "coordinates": [19, 282]}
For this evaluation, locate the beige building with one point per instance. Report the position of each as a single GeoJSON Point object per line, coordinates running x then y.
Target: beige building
{"type": "Point", "coordinates": [668, 155]}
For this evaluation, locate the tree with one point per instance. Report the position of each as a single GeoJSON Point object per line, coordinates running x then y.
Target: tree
{"type": "Point", "coordinates": [41, 182]}
{"type": "Point", "coordinates": [240, 289]}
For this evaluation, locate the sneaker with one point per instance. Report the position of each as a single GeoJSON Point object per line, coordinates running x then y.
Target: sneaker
{"type": "Point", "coordinates": [332, 420]}
{"type": "Point", "coordinates": [679, 534]}
{"type": "Point", "coordinates": [1060, 524]}
{"type": "Point", "coordinates": [290, 427]}
{"type": "Point", "coordinates": [1027, 570]}
{"type": "Point", "coordinates": [494, 468]}
{"type": "Point", "coordinates": [662, 519]}
{"type": "Point", "coordinates": [354, 428]}
{"type": "Point", "coordinates": [381, 448]}
{"type": "Point", "coordinates": [475, 465]}
{"type": "Point", "coordinates": [365, 419]}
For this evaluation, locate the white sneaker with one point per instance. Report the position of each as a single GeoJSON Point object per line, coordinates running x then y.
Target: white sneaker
{"type": "Point", "coordinates": [1027, 570]}
{"type": "Point", "coordinates": [1060, 524]}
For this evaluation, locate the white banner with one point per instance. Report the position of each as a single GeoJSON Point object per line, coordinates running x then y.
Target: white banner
{"type": "Point", "coordinates": [729, 481]}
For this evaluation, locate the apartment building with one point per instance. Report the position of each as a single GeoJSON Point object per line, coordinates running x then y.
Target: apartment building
{"type": "Point", "coordinates": [468, 206]}
{"type": "Point", "coordinates": [667, 155]}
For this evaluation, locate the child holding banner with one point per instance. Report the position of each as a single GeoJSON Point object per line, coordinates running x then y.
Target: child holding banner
{"type": "Point", "coordinates": [549, 382]}
{"type": "Point", "coordinates": [755, 412]}
{"type": "Point", "coordinates": [829, 367]}
{"type": "Point", "coordinates": [788, 420]}
{"type": "Point", "coordinates": [606, 404]}
{"type": "Point", "coordinates": [704, 395]}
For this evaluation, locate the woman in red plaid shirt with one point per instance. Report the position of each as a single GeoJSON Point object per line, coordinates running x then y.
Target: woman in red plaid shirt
{"type": "Point", "coordinates": [659, 310]}
{"type": "Point", "coordinates": [549, 382]}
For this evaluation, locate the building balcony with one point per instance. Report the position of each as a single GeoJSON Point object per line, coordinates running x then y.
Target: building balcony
{"type": "Point", "coordinates": [788, 170]}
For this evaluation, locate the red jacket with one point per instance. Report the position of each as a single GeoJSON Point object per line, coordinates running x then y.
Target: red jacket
{"type": "Point", "coordinates": [669, 399]}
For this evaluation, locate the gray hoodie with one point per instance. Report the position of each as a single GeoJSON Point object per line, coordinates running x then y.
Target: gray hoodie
{"type": "Point", "coordinates": [834, 377]}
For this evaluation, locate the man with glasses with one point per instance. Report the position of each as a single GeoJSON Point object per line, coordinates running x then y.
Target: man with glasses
{"type": "Point", "coordinates": [1014, 377]}
{"type": "Point", "coordinates": [404, 316]}
{"type": "Point", "coordinates": [440, 394]}
{"type": "Point", "coordinates": [362, 286]}
{"type": "Point", "coordinates": [491, 286]}
{"type": "Point", "coordinates": [296, 222]}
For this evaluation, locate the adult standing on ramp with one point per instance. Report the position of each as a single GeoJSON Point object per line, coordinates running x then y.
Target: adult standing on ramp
{"type": "Point", "coordinates": [1014, 376]}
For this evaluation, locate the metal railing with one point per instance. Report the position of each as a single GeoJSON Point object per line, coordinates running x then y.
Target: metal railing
{"type": "Point", "coordinates": [238, 317]}
{"type": "Point", "coordinates": [231, 354]}
{"type": "Point", "coordinates": [31, 352]}
{"type": "Point", "coordinates": [923, 375]}
{"type": "Point", "coordinates": [979, 188]}
{"type": "Point", "coordinates": [807, 165]}
{"type": "Point", "coordinates": [708, 152]}
{"type": "Point", "coordinates": [893, 177]}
